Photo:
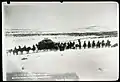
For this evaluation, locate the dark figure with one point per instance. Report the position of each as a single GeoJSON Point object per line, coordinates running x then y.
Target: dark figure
{"type": "Point", "coordinates": [98, 44]}
{"type": "Point", "coordinates": [62, 47]}
{"type": "Point", "coordinates": [79, 43]}
{"type": "Point", "coordinates": [20, 49]}
{"type": "Point", "coordinates": [24, 58]}
{"type": "Point", "coordinates": [38, 47]}
{"type": "Point", "coordinates": [68, 45]}
{"type": "Point", "coordinates": [23, 49]}
{"type": "Point", "coordinates": [84, 44]}
{"type": "Point", "coordinates": [89, 44]}
{"type": "Point", "coordinates": [108, 43]}
{"type": "Point", "coordinates": [93, 44]}
{"type": "Point", "coordinates": [33, 48]}
{"type": "Point", "coordinates": [15, 51]}
{"type": "Point", "coordinates": [103, 43]}
{"type": "Point", "coordinates": [73, 44]}
{"type": "Point", "coordinates": [22, 68]}
{"type": "Point", "coordinates": [115, 45]}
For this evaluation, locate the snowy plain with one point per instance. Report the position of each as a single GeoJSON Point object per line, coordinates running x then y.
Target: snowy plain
{"type": "Point", "coordinates": [84, 62]}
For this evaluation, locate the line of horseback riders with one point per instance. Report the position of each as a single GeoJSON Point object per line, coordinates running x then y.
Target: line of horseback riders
{"type": "Point", "coordinates": [50, 45]}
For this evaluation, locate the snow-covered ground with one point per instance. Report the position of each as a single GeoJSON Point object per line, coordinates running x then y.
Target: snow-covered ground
{"type": "Point", "coordinates": [86, 63]}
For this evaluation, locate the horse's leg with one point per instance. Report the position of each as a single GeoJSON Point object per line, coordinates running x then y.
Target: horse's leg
{"type": "Point", "coordinates": [16, 52]}
{"type": "Point", "coordinates": [27, 51]}
{"type": "Point", "coordinates": [13, 52]}
{"type": "Point", "coordinates": [33, 50]}
{"type": "Point", "coordinates": [103, 45]}
{"type": "Point", "coordinates": [22, 52]}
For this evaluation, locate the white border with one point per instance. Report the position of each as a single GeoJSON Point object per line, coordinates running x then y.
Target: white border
{"type": "Point", "coordinates": [118, 40]}
{"type": "Point", "coordinates": [60, 2]}
{"type": "Point", "coordinates": [29, 3]}
{"type": "Point", "coordinates": [3, 48]}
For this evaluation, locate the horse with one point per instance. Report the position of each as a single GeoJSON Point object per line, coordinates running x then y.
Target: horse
{"type": "Point", "coordinates": [28, 49]}
{"type": "Point", "coordinates": [98, 44]}
{"type": "Point", "coordinates": [22, 49]}
{"type": "Point", "coordinates": [108, 44]}
{"type": "Point", "coordinates": [15, 51]}
{"type": "Point", "coordinates": [9, 51]}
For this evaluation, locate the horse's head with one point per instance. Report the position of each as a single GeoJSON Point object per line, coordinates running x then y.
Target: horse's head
{"type": "Point", "coordinates": [29, 48]}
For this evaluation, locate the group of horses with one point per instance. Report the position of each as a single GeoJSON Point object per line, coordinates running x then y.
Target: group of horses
{"type": "Point", "coordinates": [60, 46]}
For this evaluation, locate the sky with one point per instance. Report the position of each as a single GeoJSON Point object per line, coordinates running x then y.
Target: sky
{"type": "Point", "coordinates": [61, 17]}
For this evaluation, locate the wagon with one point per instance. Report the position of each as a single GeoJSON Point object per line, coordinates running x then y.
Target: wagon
{"type": "Point", "coordinates": [46, 44]}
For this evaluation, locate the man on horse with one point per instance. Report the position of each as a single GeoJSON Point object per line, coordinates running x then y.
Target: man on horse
{"type": "Point", "coordinates": [103, 43]}
{"type": "Point", "coordinates": [89, 44]}
{"type": "Point", "coordinates": [108, 44]}
{"type": "Point", "coordinates": [79, 43]}
{"type": "Point", "coordinates": [84, 44]}
{"type": "Point", "coordinates": [93, 44]}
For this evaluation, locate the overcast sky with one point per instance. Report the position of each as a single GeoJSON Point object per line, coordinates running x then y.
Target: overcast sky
{"type": "Point", "coordinates": [61, 17]}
